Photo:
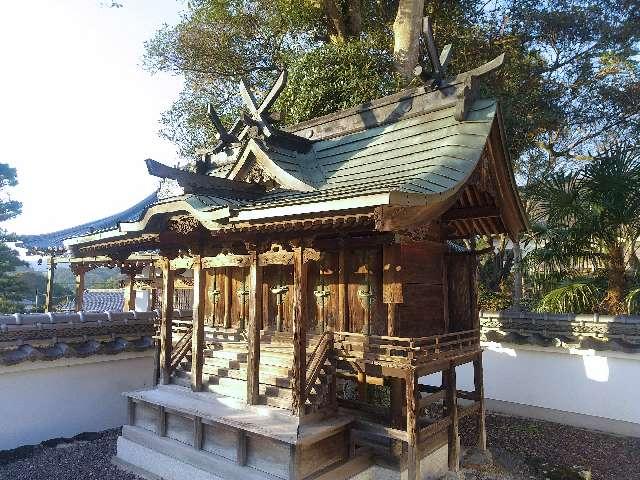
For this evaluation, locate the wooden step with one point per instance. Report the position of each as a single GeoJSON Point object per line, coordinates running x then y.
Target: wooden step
{"type": "Point", "coordinates": [230, 387]}
{"type": "Point", "coordinates": [222, 362]}
{"type": "Point", "coordinates": [230, 355]}
{"type": "Point", "coordinates": [266, 378]}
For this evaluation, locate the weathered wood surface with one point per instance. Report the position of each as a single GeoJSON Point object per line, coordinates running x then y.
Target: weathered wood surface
{"type": "Point", "coordinates": [300, 307]}
{"type": "Point", "coordinates": [413, 457]}
{"type": "Point", "coordinates": [254, 324]}
{"type": "Point", "coordinates": [197, 346]}
{"type": "Point", "coordinates": [165, 322]}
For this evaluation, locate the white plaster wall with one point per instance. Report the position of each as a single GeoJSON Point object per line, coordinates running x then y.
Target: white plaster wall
{"type": "Point", "coordinates": [583, 382]}
{"type": "Point", "coordinates": [143, 301]}
{"type": "Point", "coordinates": [44, 400]}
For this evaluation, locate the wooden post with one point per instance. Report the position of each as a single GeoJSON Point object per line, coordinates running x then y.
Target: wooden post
{"type": "Point", "coordinates": [48, 303]}
{"type": "Point", "coordinates": [397, 402]}
{"type": "Point", "coordinates": [479, 390]}
{"type": "Point", "coordinates": [165, 322]}
{"type": "Point", "coordinates": [253, 330]}
{"type": "Point", "coordinates": [197, 338]}
{"type": "Point", "coordinates": [300, 275]}
{"type": "Point", "coordinates": [79, 271]}
{"type": "Point", "coordinates": [413, 457]}
{"type": "Point", "coordinates": [130, 295]}
{"type": "Point", "coordinates": [228, 297]}
{"type": "Point", "coordinates": [343, 291]}
{"type": "Point", "coordinates": [452, 410]}
{"type": "Point", "coordinates": [445, 294]}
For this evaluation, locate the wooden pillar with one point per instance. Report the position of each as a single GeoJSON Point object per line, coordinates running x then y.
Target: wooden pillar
{"type": "Point", "coordinates": [413, 455]}
{"type": "Point", "coordinates": [299, 327]}
{"type": "Point", "coordinates": [398, 401]}
{"type": "Point", "coordinates": [48, 303]}
{"type": "Point", "coordinates": [452, 411]}
{"type": "Point", "coordinates": [197, 338]}
{"type": "Point", "coordinates": [79, 271]}
{"type": "Point", "coordinates": [228, 297]}
{"type": "Point", "coordinates": [166, 321]}
{"type": "Point", "coordinates": [153, 292]}
{"type": "Point", "coordinates": [130, 294]}
{"type": "Point", "coordinates": [343, 291]}
{"type": "Point", "coordinates": [254, 324]}
{"type": "Point", "coordinates": [479, 390]}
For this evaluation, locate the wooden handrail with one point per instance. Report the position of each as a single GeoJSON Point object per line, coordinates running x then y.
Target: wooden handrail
{"type": "Point", "coordinates": [183, 346]}
{"type": "Point", "coordinates": [318, 359]}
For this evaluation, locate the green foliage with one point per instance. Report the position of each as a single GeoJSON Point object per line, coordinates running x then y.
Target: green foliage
{"type": "Point", "coordinates": [11, 288]}
{"type": "Point", "coordinates": [589, 218]}
{"type": "Point", "coordinates": [494, 300]}
{"type": "Point", "coordinates": [219, 41]}
{"type": "Point", "coordinates": [575, 297]}
{"type": "Point", "coordinates": [632, 300]}
{"type": "Point", "coordinates": [337, 76]}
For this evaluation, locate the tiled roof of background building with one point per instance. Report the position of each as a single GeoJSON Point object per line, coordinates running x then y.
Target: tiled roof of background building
{"type": "Point", "coordinates": [53, 240]}
{"type": "Point", "coordinates": [97, 301]}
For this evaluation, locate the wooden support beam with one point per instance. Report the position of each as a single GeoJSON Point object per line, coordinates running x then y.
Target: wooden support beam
{"type": "Point", "coordinates": [241, 457]}
{"type": "Point", "coordinates": [413, 457]}
{"type": "Point", "coordinates": [131, 411]}
{"type": "Point", "coordinates": [299, 327]}
{"type": "Point", "coordinates": [79, 287]}
{"type": "Point", "coordinates": [432, 398]}
{"type": "Point", "coordinates": [254, 324]}
{"type": "Point", "coordinates": [452, 411]}
{"type": "Point", "coordinates": [228, 297]}
{"type": "Point", "coordinates": [343, 289]}
{"type": "Point", "coordinates": [471, 212]}
{"type": "Point", "coordinates": [130, 294]}
{"type": "Point", "coordinates": [478, 380]}
{"type": "Point", "coordinates": [165, 321]}
{"type": "Point", "coordinates": [197, 433]}
{"type": "Point", "coordinates": [48, 303]}
{"type": "Point", "coordinates": [398, 402]}
{"type": "Point", "coordinates": [162, 421]}
{"type": "Point", "coordinates": [197, 338]}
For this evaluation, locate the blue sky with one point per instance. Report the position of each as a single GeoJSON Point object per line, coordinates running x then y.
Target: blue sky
{"type": "Point", "coordinates": [79, 114]}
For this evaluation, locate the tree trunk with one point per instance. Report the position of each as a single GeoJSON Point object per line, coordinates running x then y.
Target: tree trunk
{"type": "Point", "coordinates": [614, 300]}
{"type": "Point", "coordinates": [517, 276]}
{"type": "Point", "coordinates": [355, 18]}
{"type": "Point", "coordinates": [407, 28]}
{"type": "Point", "coordinates": [336, 21]}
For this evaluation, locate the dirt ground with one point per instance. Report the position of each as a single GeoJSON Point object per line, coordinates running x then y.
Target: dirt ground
{"type": "Point", "coordinates": [523, 449]}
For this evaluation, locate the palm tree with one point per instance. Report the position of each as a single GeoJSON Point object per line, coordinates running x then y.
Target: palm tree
{"type": "Point", "coordinates": [590, 217]}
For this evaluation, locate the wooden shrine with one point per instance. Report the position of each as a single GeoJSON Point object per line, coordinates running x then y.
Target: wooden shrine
{"type": "Point", "coordinates": [328, 277]}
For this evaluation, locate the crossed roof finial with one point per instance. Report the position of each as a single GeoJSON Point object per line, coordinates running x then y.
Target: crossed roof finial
{"type": "Point", "coordinates": [258, 115]}
{"type": "Point", "coordinates": [439, 61]}
{"type": "Point", "coordinates": [255, 115]}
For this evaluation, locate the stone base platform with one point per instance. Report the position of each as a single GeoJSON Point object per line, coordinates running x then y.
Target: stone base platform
{"type": "Point", "coordinates": [177, 434]}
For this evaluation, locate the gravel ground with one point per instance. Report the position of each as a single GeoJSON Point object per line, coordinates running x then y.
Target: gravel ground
{"type": "Point", "coordinates": [88, 456]}
{"type": "Point", "coordinates": [524, 449]}
{"type": "Point", "coordinates": [535, 449]}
